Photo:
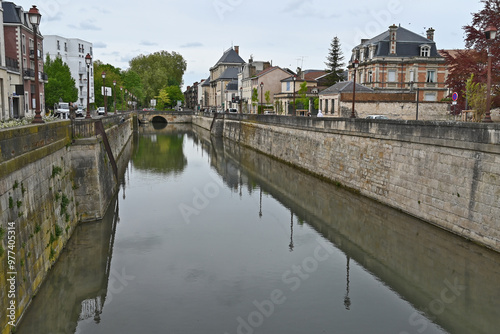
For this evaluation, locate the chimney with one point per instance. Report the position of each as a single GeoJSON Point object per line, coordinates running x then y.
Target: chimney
{"type": "Point", "coordinates": [237, 49]}
{"type": "Point", "coordinates": [393, 34]}
{"type": "Point", "coordinates": [430, 34]}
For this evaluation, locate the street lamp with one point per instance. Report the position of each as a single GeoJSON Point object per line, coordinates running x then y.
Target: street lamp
{"type": "Point", "coordinates": [355, 65]}
{"type": "Point", "coordinates": [490, 33]}
{"type": "Point", "coordinates": [241, 100]}
{"type": "Point", "coordinates": [114, 95]}
{"type": "Point", "coordinates": [294, 110]}
{"type": "Point", "coordinates": [103, 74]}
{"type": "Point", "coordinates": [34, 18]}
{"type": "Point", "coordinates": [88, 60]}
{"type": "Point", "coordinates": [261, 88]}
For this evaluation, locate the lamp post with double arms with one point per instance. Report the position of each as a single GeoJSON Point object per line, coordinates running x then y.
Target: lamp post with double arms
{"type": "Point", "coordinates": [88, 61]}
{"type": "Point", "coordinates": [490, 33]}
{"type": "Point", "coordinates": [114, 96]}
{"type": "Point", "coordinates": [355, 64]}
{"type": "Point", "coordinates": [261, 105]}
{"type": "Point", "coordinates": [34, 18]}
{"type": "Point", "coordinates": [103, 74]}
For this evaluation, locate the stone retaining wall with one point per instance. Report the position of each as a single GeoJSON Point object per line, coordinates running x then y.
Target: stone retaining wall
{"type": "Point", "coordinates": [444, 173]}
{"type": "Point", "coordinates": [47, 183]}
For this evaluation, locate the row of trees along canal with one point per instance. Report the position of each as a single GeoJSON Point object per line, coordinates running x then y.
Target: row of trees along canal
{"type": "Point", "coordinates": [155, 76]}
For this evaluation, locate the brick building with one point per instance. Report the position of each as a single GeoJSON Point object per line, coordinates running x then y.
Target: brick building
{"type": "Point", "coordinates": [399, 60]}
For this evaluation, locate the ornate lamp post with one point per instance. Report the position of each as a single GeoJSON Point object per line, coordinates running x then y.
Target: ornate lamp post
{"type": "Point", "coordinates": [103, 74]}
{"type": "Point", "coordinates": [490, 33]}
{"type": "Point", "coordinates": [241, 100]}
{"type": "Point", "coordinates": [261, 88]}
{"type": "Point", "coordinates": [355, 64]}
{"type": "Point", "coordinates": [123, 101]}
{"type": "Point", "coordinates": [294, 110]}
{"type": "Point", "coordinates": [114, 95]}
{"type": "Point", "coordinates": [88, 60]}
{"type": "Point", "coordinates": [34, 18]}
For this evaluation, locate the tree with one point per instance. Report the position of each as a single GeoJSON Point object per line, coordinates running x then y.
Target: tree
{"type": "Point", "coordinates": [302, 92]}
{"type": "Point", "coordinates": [163, 99]}
{"type": "Point", "coordinates": [158, 70]}
{"type": "Point", "coordinates": [474, 60]}
{"type": "Point", "coordinates": [60, 84]}
{"type": "Point", "coordinates": [255, 97]}
{"type": "Point", "coordinates": [476, 94]}
{"type": "Point", "coordinates": [175, 94]}
{"type": "Point", "coordinates": [267, 96]}
{"type": "Point", "coordinates": [334, 64]}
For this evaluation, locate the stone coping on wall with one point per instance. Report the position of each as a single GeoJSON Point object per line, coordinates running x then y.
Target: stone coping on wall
{"type": "Point", "coordinates": [483, 137]}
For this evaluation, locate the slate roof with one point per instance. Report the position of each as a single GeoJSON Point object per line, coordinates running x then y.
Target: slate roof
{"type": "Point", "coordinates": [233, 85]}
{"type": "Point", "coordinates": [230, 56]}
{"type": "Point", "coordinates": [206, 83]}
{"type": "Point", "coordinates": [10, 14]}
{"type": "Point", "coordinates": [230, 73]}
{"type": "Point", "coordinates": [345, 87]}
{"type": "Point", "coordinates": [407, 44]}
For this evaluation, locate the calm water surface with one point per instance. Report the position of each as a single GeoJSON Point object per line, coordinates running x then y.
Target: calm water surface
{"type": "Point", "coordinates": [208, 237]}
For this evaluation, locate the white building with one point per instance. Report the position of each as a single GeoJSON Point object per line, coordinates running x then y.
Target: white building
{"type": "Point", "coordinates": [72, 52]}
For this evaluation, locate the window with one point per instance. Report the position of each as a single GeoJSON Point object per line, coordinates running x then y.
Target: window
{"type": "Point", "coordinates": [288, 86]}
{"type": "Point", "coordinates": [370, 76]}
{"type": "Point", "coordinates": [65, 47]}
{"type": "Point", "coordinates": [391, 76]}
{"type": "Point", "coordinates": [425, 51]}
{"type": "Point", "coordinates": [431, 76]}
{"type": "Point", "coordinates": [431, 97]}
{"type": "Point", "coordinates": [58, 45]}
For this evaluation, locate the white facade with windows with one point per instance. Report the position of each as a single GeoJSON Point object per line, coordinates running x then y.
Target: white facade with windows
{"type": "Point", "coordinates": [72, 52]}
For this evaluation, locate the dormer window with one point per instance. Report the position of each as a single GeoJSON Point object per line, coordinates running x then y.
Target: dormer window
{"type": "Point", "coordinates": [425, 50]}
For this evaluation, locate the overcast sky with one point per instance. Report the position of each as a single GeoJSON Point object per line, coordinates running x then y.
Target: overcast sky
{"type": "Point", "coordinates": [289, 33]}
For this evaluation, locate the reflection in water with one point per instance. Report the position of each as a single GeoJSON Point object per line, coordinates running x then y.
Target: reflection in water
{"type": "Point", "coordinates": [160, 152]}
{"type": "Point", "coordinates": [347, 300]}
{"type": "Point", "coordinates": [376, 271]}
{"type": "Point", "coordinates": [77, 286]}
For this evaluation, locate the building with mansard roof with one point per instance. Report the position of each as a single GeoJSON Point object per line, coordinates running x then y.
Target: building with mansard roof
{"type": "Point", "coordinates": [222, 73]}
{"type": "Point", "coordinates": [400, 60]}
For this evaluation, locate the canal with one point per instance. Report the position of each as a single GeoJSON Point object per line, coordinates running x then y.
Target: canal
{"type": "Point", "coordinates": [206, 236]}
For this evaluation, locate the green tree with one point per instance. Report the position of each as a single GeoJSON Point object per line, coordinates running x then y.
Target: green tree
{"type": "Point", "coordinates": [267, 96]}
{"type": "Point", "coordinates": [255, 97]}
{"type": "Point", "coordinates": [158, 70]}
{"type": "Point", "coordinates": [175, 94]}
{"type": "Point", "coordinates": [334, 64]}
{"type": "Point", "coordinates": [303, 101]}
{"type": "Point", "coordinates": [60, 84]}
{"type": "Point", "coordinates": [163, 99]}
{"type": "Point", "coordinates": [476, 94]}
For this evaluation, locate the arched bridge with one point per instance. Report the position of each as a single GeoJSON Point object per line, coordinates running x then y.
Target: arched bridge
{"type": "Point", "coordinates": [157, 116]}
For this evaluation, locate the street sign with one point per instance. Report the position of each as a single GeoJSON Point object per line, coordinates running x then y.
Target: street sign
{"type": "Point", "coordinates": [454, 96]}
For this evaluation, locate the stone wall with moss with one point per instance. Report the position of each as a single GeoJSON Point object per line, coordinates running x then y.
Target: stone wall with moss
{"type": "Point", "coordinates": [43, 196]}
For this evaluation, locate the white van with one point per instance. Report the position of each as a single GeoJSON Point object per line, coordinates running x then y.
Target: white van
{"type": "Point", "coordinates": [61, 110]}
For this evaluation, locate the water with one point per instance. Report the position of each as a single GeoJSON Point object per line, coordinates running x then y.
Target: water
{"type": "Point", "coordinates": [209, 237]}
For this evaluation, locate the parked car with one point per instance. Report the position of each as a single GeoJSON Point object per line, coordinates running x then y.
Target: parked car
{"type": "Point", "coordinates": [232, 111]}
{"type": "Point", "coordinates": [269, 112]}
{"type": "Point", "coordinates": [80, 112]}
{"type": "Point", "coordinates": [377, 117]}
{"type": "Point", "coordinates": [100, 111]}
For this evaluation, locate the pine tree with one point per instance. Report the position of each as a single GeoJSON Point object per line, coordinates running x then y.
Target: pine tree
{"type": "Point", "coordinates": [334, 63]}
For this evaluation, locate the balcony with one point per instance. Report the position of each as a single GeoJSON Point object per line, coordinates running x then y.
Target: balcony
{"type": "Point", "coordinates": [32, 54]}
{"type": "Point", "coordinates": [12, 64]}
{"type": "Point", "coordinates": [29, 74]}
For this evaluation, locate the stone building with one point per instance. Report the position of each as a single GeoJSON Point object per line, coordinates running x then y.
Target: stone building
{"type": "Point", "coordinates": [399, 60]}
{"type": "Point", "coordinates": [223, 72]}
